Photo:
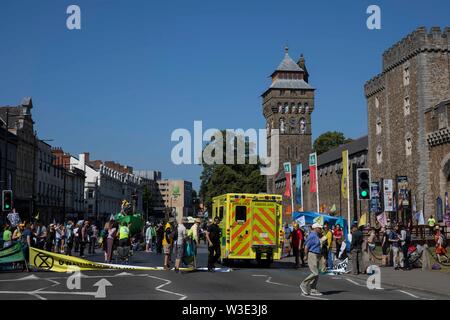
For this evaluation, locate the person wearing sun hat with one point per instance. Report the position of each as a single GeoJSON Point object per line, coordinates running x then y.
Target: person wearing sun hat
{"type": "Point", "coordinates": [312, 251]}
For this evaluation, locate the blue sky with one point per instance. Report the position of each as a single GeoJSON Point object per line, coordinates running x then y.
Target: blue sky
{"type": "Point", "coordinates": [140, 69]}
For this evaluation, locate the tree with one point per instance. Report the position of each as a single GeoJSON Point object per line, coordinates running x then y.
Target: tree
{"type": "Point", "coordinates": [329, 140]}
{"type": "Point", "coordinates": [217, 179]}
{"type": "Point", "coordinates": [147, 201]}
{"type": "Point", "coordinates": [195, 202]}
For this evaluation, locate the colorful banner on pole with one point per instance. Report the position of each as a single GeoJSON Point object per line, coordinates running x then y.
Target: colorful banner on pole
{"type": "Point", "coordinates": [439, 210]}
{"type": "Point", "coordinates": [12, 253]}
{"type": "Point", "coordinates": [388, 195]}
{"type": "Point", "coordinates": [375, 203]}
{"type": "Point", "coordinates": [313, 172]}
{"type": "Point", "coordinates": [298, 185]}
{"type": "Point", "coordinates": [447, 211]}
{"type": "Point", "coordinates": [403, 192]}
{"type": "Point", "coordinates": [288, 175]}
{"type": "Point", "coordinates": [344, 182]}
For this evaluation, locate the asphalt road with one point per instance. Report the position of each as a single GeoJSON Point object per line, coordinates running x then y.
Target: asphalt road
{"type": "Point", "coordinates": [241, 282]}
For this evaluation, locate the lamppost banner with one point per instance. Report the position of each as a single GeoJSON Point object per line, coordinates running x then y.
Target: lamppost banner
{"type": "Point", "coordinates": [375, 203]}
{"type": "Point", "coordinates": [403, 193]}
{"type": "Point", "coordinates": [388, 194]}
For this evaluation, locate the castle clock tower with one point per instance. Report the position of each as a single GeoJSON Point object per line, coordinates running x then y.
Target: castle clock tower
{"type": "Point", "coordinates": [287, 106]}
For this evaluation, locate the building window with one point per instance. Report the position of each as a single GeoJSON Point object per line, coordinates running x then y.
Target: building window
{"type": "Point", "coordinates": [90, 194]}
{"type": "Point", "coordinates": [377, 102]}
{"type": "Point", "coordinates": [379, 155]}
{"type": "Point", "coordinates": [408, 145]}
{"type": "Point", "coordinates": [378, 127]}
{"type": "Point", "coordinates": [406, 76]}
{"type": "Point", "coordinates": [406, 105]}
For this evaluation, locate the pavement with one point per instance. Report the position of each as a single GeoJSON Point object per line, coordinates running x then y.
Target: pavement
{"type": "Point", "coordinates": [243, 281]}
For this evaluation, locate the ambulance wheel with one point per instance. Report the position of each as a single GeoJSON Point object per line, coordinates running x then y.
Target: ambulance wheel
{"type": "Point", "coordinates": [263, 263]}
{"type": "Point", "coordinates": [226, 262]}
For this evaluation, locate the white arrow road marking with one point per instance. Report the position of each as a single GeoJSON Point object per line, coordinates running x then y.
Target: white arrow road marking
{"type": "Point", "coordinates": [100, 293]}
{"type": "Point", "coordinates": [102, 284]}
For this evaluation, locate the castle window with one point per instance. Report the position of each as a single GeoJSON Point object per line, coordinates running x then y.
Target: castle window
{"type": "Point", "coordinates": [306, 107]}
{"type": "Point", "coordinates": [300, 108]}
{"type": "Point", "coordinates": [378, 127]}
{"type": "Point", "coordinates": [293, 108]}
{"type": "Point", "coordinates": [379, 155]}
{"type": "Point", "coordinates": [302, 126]}
{"type": "Point", "coordinates": [377, 102]}
{"type": "Point", "coordinates": [302, 92]}
{"type": "Point", "coordinates": [286, 108]}
{"type": "Point", "coordinates": [406, 105]}
{"type": "Point", "coordinates": [282, 92]}
{"type": "Point", "coordinates": [282, 126]}
{"type": "Point", "coordinates": [406, 76]}
{"type": "Point", "coordinates": [408, 144]}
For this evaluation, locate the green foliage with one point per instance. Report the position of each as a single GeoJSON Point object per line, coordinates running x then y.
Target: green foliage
{"type": "Point", "coordinates": [147, 201]}
{"type": "Point", "coordinates": [329, 140]}
{"type": "Point", "coordinates": [217, 179]}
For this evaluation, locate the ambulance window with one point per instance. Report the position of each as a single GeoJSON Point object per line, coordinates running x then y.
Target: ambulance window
{"type": "Point", "coordinates": [241, 213]}
{"type": "Point", "coordinates": [221, 213]}
{"type": "Point", "coordinates": [215, 212]}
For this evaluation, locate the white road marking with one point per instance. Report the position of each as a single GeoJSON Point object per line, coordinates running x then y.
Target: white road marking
{"type": "Point", "coordinates": [314, 297]}
{"type": "Point", "coordinates": [355, 283]}
{"type": "Point", "coordinates": [277, 283]}
{"type": "Point", "coordinates": [183, 297]}
{"type": "Point", "coordinates": [409, 294]}
{"type": "Point", "coordinates": [268, 280]}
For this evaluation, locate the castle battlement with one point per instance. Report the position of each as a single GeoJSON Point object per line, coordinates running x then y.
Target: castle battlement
{"type": "Point", "coordinates": [416, 42]}
{"type": "Point", "coordinates": [374, 85]}
{"type": "Point", "coordinates": [436, 40]}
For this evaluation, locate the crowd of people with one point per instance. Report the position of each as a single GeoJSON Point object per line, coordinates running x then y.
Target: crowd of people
{"type": "Point", "coordinates": [394, 241]}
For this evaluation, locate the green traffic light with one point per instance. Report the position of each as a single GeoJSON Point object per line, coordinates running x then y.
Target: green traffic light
{"type": "Point", "coordinates": [364, 193]}
{"type": "Point", "coordinates": [7, 206]}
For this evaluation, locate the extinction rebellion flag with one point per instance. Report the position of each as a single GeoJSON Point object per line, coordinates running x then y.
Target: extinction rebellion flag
{"type": "Point", "coordinates": [313, 172]}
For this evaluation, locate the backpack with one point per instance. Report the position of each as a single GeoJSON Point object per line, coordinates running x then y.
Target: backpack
{"type": "Point", "coordinates": [169, 235]}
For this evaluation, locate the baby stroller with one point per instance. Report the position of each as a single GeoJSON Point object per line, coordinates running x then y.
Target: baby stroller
{"type": "Point", "coordinates": [414, 255]}
{"type": "Point", "coordinates": [123, 254]}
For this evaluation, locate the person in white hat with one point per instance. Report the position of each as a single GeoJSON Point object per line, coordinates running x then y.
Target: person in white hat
{"type": "Point", "coordinates": [312, 251]}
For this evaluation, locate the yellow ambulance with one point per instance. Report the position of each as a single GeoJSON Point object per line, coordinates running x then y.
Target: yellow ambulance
{"type": "Point", "coordinates": [251, 226]}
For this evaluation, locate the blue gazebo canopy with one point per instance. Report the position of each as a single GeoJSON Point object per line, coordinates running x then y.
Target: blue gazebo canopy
{"type": "Point", "coordinates": [310, 216]}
